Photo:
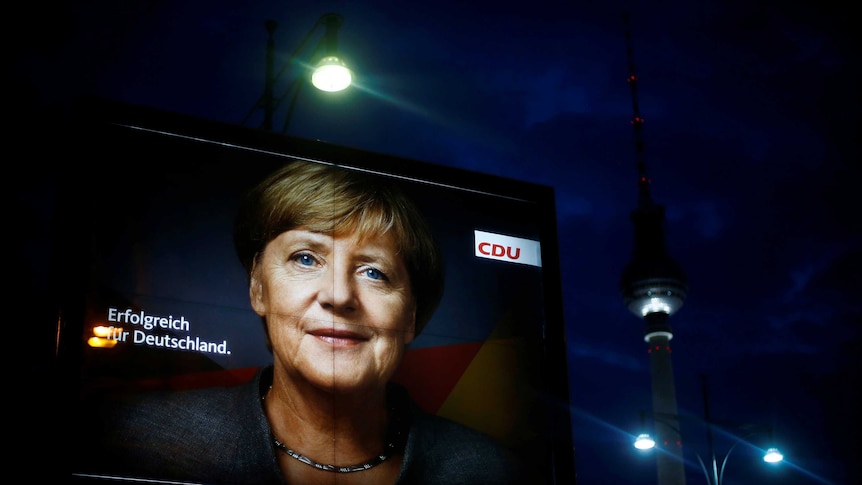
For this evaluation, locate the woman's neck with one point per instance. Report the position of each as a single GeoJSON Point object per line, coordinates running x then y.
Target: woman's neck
{"type": "Point", "coordinates": [342, 429]}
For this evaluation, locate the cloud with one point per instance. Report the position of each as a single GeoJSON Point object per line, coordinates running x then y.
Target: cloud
{"type": "Point", "coordinates": [606, 356]}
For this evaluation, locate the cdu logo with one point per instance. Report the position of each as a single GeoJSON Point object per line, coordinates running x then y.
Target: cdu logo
{"type": "Point", "coordinates": [508, 248]}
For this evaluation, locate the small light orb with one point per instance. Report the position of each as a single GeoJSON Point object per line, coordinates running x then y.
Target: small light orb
{"type": "Point", "coordinates": [773, 456]}
{"type": "Point", "coordinates": [644, 442]}
{"type": "Point", "coordinates": [331, 74]}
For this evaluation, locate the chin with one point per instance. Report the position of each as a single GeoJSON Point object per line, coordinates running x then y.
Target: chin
{"type": "Point", "coordinates": [350, 384]}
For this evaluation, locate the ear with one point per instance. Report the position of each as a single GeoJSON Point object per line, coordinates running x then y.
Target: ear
{"type": "Point", "coordinates": [255, 289]}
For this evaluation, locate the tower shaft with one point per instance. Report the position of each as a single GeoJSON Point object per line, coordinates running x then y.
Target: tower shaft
{"type": "Point", "coordinates": [669, 463]}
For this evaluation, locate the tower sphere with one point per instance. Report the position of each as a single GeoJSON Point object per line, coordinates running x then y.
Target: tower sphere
{"type": "Point", "coordinates": [653, 286]}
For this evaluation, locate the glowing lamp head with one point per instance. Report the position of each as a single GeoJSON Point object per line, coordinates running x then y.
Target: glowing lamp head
{"type": "Point", "coordinates": [773, 456]}
{"type": "Point", "coordinates": [331, 75]}
{"type": "Point", "coordinates": [644, 442]}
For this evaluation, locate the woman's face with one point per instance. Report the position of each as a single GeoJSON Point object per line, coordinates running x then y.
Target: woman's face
{"type": "Point", "coordinates": [339, 313]}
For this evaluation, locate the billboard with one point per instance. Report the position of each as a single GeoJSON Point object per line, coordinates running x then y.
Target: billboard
{"type": "Point", "coordinates": [153, 300]}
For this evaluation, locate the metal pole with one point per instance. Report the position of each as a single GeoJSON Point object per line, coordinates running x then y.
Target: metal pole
{"type": "Point", "coordinates": [332, 22]}
{"type": "Point", "coordinates": [268, 97]}
{"type": "Point", "coordinates": [706, 418]}
{"type": "Point", "coordinates": [268, 101]}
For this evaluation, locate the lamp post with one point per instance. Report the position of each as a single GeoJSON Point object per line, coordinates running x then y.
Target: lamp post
{"type": "Point", "coordinates": [329, 74]}
{"type": "Point", "coordinates": [713, 466]}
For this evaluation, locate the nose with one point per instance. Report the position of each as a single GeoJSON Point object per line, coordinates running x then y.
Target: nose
{"type": "Point", "coordinates": [338, 290]}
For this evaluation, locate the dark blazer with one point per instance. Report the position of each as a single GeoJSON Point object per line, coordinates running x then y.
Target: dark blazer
{"type": "Point", "coordinates": [221, 436]}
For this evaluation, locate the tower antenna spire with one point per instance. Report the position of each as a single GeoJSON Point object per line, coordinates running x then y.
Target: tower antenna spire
{"type": "Point", "coordinates": [637, 120]}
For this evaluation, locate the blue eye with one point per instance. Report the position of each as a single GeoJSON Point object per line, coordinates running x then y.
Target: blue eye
{"type": "Point", "coordinates": [305, 259]}
{"type": "Point", "coordinates": [374, 274]}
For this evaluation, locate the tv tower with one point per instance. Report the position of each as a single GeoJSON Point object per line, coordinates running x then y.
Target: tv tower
{"type": "Point", "coordinates": [654, 287]}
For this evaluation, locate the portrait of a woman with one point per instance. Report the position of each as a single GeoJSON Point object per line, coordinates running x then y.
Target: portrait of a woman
{"type": "Point", "coordinates": [344, 274]}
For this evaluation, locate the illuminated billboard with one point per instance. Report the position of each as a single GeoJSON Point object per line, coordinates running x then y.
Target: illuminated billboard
{"type": "Point", "coordinates": [154, 301]}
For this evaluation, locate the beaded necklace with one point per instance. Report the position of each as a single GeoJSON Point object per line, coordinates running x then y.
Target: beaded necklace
{"type": "Point", "coordinates": [395, 433]}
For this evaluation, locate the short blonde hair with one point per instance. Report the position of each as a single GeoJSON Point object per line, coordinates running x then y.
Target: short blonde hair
{"type": "Point", "coordinates": [328, 199]}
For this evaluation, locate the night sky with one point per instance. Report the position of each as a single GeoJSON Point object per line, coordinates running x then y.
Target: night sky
{"type": "Point", "coordinates": [751, 137]}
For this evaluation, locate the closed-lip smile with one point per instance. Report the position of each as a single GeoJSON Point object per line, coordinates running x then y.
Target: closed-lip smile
{"type": "Point", "coordinates": [337, 336]}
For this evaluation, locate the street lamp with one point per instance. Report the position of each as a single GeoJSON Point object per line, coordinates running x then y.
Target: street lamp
{"type": "Point", "coordinates": [714, 471]}
{"type": "Point", "coordinates": [330, 72]}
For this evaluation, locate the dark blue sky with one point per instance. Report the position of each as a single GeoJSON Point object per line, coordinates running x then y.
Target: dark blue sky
{"type": "Point", "coordinates": [752, 142]}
